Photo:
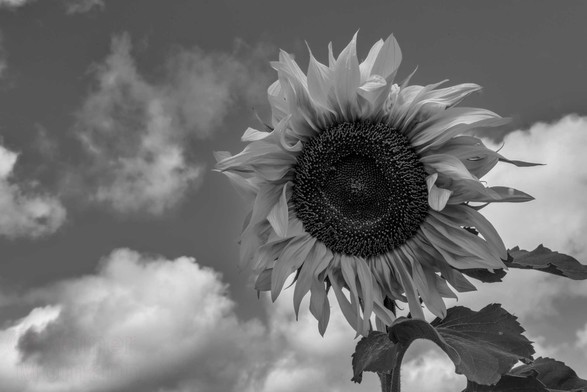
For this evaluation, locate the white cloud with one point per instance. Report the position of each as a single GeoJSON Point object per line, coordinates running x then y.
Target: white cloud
{"type": "Point", "coordinates": [137, 132]}
{"type": "Point", "coordinates": [26, 212]}
{"type": "Point", "coordinates": [72, 6]}
{"type": "Point", "coordinates": [155, 325]}
{"type": "Point", "coordinates": [310, 362]}
{"type": "Point", "coordinates": [80, 6]}
{"type": "Point", "coordinates": [582, 337]}
{"type": "Point", "coordinates": [557, 217]}
{"type": "Point", "coordinates": [140, 323]}
{"type": "Point", "coordinates": [432, 370]}
{"type": "Point", "coordinates": [12, 3]}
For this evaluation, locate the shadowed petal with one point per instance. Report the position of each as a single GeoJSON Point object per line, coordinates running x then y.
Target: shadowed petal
{"type": "Point", "coordinates": [278, 216]}
{"type": "Point", "coordinates": [290, 260]}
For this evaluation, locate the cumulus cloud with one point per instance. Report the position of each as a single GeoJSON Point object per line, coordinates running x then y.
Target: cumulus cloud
{"type": "Point", "coordinates": [137, 132]}
{"type": "Point", "coordinates": [26, 212]}
{"type": "Point", "coordinates": [150, 324]}
{"type": "Point", "coordinates": [156, 325]}
{"type": "Point", "coordinates": [140, 323]}
{"type": "Point", "coordinates": [557, 217]}
{"type": "Point", "coordinates": [310, 362]}
{"type": "Point", "coordinates": [431, 370]}
{"type": "Point", "coordinates": [146, 323]}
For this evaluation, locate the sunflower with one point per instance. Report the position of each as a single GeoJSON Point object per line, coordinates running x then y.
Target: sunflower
{"type": "Point", "coordinates": [365, 186]}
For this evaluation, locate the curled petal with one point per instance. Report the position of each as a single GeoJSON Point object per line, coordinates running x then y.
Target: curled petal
{"type": "Point", "coordinates": [367, 65]}
{"type": "Point", "coordinates": [437, 197]}
{"type": "Point", "coordinates": [252, 135]}
{"type": "Point", "coordinates": [388, 59]}
{"type": "Point", "coordinates": [451, 122]}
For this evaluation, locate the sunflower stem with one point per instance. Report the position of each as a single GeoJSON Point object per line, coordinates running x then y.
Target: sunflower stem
{"type": "Point", "coordinates": [385, 379]}
{"type": "Point", "coordinates": [395, 373]}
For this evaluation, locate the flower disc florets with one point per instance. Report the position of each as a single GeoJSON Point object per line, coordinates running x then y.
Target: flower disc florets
{"type": "Point", "coordinates": [360, 188]}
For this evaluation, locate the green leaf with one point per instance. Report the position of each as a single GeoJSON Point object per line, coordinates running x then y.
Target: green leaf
{"type": "Point", "coordinates": [509, 383]}
{"type": "Point", "coordinates": [375, 353]}
{"type": "Point", "coordinates": [546, 260]}
{"type": "Point", "coordinates": [553, 374]}
{"type": "Point", "coordinates": [483, 345]}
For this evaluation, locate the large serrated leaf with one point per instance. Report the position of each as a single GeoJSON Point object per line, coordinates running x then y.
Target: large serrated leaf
{"type": "Point", "coordinates": [483, 345]}
{"type": "Point", "coordinates": [546, 260]}
{"type": "Point", "coordinates": [375, 353]}
{"type": "Point", "coordinates": [509, 383]}
{"type": "Point", "coordinates": [555, 375]}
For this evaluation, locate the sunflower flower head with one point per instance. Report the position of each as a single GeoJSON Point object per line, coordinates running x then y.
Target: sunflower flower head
{"type": "Point", "coordinates": [365, 186]}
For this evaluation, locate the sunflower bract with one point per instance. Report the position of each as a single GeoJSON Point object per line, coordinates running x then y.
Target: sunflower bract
{"type": "Point", "coordinates": [364, 186]}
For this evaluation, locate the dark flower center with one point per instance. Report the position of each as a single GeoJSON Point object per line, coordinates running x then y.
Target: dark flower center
{"type": "Point", "coordinates": [360, 188]}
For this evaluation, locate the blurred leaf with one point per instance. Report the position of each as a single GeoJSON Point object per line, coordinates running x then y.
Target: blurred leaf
{"type": "Point", "coordinates": [553, 374]}
{"type": "Point", "coordinates": [375, 353]}
{"type": "Point", "coordinates": [546, 260]}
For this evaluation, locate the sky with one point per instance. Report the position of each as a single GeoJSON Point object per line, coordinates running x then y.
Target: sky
{"type": "Point", "coordinates": [118, 243]}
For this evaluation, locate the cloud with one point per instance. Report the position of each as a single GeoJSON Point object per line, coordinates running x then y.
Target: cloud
{"type": "Point", "coordinates": [151, 324]}
{"type": "Point", "coordinates": [72, 6]}
{"type": "Point", "coordinates": [140, 323]}
{"type": "Point", "coordinates": [156, 325]}
{"type": "Point", "coordinates": [558, 215]}
{"type": "Point", "coordinates": [582, 338]}
{"type": "Point", "coordinates": [556, 218]}
{"type": "Point", "coordinates": [310, 362]}
{"type": "Point", "coordinates": [26, 212]}
{"type": "Point", "coordinates": [432, 370]}
{"type": "Point", "coordinates": [147, 323]}
{"type": "Point", "coordinates": [13, 3]}
{"type": "Point", "coordinates": [80, 6]}
{"type": "Point", "coordinates": [3, 64]}
{"type": "Point", "coordinates": [137, 132]}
